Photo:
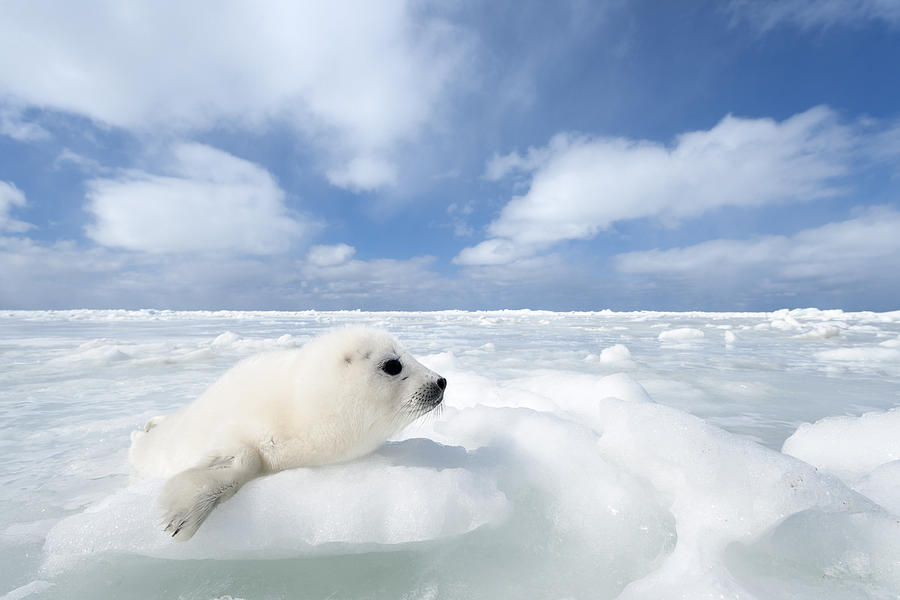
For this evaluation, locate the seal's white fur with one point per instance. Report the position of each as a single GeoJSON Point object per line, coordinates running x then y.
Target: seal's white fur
{"type": "Point", "coordinates": [326, 402]}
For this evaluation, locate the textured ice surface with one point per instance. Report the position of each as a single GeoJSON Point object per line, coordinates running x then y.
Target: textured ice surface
{"type": "Point", "coordinates": [582, 455]}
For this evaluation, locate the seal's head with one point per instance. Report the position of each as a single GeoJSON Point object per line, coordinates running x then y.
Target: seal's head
{"type": "Point", "coordinates": [375, 370]}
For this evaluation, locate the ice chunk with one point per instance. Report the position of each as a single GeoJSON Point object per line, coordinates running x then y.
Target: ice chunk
{"type": "Point", "coordinates": [95, 353]}
{"type": "Point", "coordinates": [232, 341]}
{"type": "Point", "coordinates": [820, 331]}
{"type": "Point", "coordinates": [784, 322]}
{"type": "Point", "coordinates": [848, 447]}
{"type": "Point", "coordinates": [338, 509]}
{"type": "Point", "coordinates": [654, 471]}
{"type": "Point", "coordinates": [681, 335]}
{"type": "Point", "coordinates": [820, 553]}
{"type": "Point", "coordinates": [618, 355]}
{"type": "Point", "coordinates": [615, 354]}
{"type": "Point", "coordinates": [611, 523]}
{"type": "Point", "coordinates": [721, 490]}
{"type": "Point", "coordinates": [576, 393]}
{"type": "Point", "coordinates": [225, 340]}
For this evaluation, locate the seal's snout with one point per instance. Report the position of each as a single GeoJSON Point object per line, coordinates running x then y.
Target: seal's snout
{"type": "Point", "coordinates": [430, 395]}
{"type": "Point", "coordinates": [437, 391]}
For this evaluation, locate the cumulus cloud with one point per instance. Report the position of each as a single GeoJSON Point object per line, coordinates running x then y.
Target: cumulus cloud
{"type": "Point", "coordinates": [579, 185]}
{"type": "Point", "coordinates": [853, 257]}
{"type": "Point", "coordinates": [492, 252]}
{"type": "Point", "coordinates": [206, 201]}
{"type": "Point", "coordinates": [11, 196]}
{"type": "Point", "coordinates": [808, 14]}
{"type": "Point", "coordinates": [501, 166]}
{"type": "Point", "coordinates": [360, 79]}
{"type": "Point", "coordinates": [330, 256]}
{"type": "Point", "coordinates": [382, 283]}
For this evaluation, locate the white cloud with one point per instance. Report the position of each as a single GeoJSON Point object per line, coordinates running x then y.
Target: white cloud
{"type": "Point", "coordinates": [549, 281]}
{"type": "Point", "coordinates": [458, 215]}
{"type": "Point", "coordinates": [10, 197]}
{"type": "Point", "coordinates": [501, 166]}
{"type": "Point", "coordinates": [381, 283]}
{"type": "Point", "coordinates": [807, 14]}
{"type": "Point", "coordinates": [330, 256]}
{"type": "Point", "coordinates": [377, 270]}
{"type": "Point", "coordinates": [885, 146]}
{"type": "Point", "coordinates": [363, 174]}
{"type": "Point", "coordinates": [359, 79]}
{"type": "Point", "coordinates": [207, 201]}
{"type": "Point", "coordinates": [581, 185]}
{"type": "Point", "coordinates": [849, 257]}
{"type": "Point", "coordinates": [67, 157]}
{"type": "Point", "coordinates": [68, 275]}
{"type": "Point", "coordinates": [491, 252]}
{"type": "Point", "coordinates": [12, 124]}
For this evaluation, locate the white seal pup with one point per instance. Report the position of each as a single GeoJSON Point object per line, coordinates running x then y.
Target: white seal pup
{"type": "Point", "coordinates": [338, 397]}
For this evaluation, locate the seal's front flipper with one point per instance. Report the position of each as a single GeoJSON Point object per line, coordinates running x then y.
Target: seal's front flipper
{"type": "Point", "coordinates": [189, 497]}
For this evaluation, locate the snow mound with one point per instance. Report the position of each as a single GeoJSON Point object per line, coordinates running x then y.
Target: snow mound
{"type": "Point", "coordinates": [681, 335]}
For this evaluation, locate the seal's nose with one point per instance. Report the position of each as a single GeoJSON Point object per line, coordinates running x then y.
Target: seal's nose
{"type": "Point", "coordinates": [442, 383]}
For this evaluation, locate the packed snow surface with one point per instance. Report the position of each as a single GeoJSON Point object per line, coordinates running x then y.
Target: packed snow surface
{"type": "Point", "coordinates": [577, 455]}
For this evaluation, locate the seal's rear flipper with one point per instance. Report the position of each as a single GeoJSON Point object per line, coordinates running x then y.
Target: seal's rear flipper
{"type": "Point", "coordinates": [189, 497]}
{"type": "Point", "coordinates": [153, 422]}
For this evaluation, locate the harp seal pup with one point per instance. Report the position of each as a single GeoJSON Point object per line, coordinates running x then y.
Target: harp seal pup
{"type": "Point", "coordinates": [336, 398]}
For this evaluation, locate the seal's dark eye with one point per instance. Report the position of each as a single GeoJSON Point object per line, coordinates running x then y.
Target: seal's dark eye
{"type": "Point", "coordinates": [392, 367]}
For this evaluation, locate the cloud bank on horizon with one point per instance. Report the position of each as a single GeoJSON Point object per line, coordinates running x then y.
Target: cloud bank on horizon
{"type": "Point", "coordinates": [405, 155]}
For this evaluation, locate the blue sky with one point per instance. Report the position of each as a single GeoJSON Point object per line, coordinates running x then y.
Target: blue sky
{"type": "Point", "coordinates": [423, 155]}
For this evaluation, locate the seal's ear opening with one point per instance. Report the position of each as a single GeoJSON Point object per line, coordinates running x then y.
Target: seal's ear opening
{"type": "Point", "coordinates": [348, 358]}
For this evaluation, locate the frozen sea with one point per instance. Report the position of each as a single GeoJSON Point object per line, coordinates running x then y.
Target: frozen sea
{"type": "Point", "coordinates": [578, 455]}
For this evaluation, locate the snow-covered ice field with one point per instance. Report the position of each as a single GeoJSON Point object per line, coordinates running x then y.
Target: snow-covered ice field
{"type": "Point", "coordinates": [578, 455]}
